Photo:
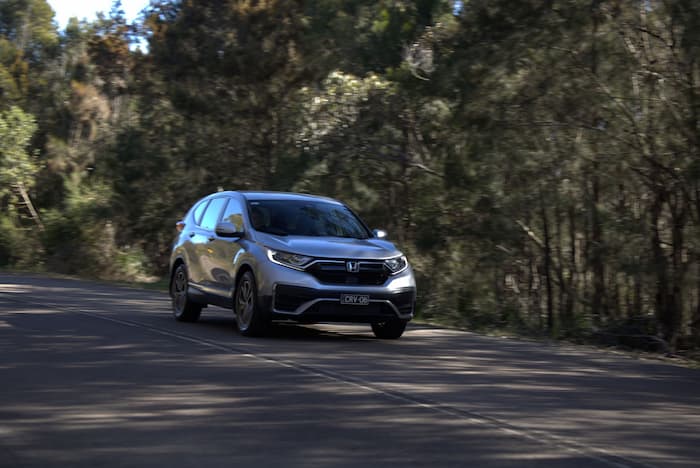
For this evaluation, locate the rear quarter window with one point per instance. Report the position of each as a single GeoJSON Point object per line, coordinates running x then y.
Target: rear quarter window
{"type": "Point", "coordinates": [199, 211]}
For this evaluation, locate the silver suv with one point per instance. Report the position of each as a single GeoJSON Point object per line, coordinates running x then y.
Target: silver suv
{"type": "Point", "coordinates": [274, 256]}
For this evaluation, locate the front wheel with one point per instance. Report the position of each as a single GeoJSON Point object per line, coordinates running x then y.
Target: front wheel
{"type": "Point", "coordinates": [389, 330]}
{"type": "Point", "coordinates": [184, 309]}
{"type": "Point", "coordinates": [249, 317]}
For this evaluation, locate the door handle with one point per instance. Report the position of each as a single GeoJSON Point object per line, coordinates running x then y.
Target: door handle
{"type": "Point", "coordinates": [191, 234]}
{"type": "Point", "coordinates": [211, 238]}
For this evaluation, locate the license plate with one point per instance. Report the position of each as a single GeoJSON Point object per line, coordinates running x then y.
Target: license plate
{"type": "Point", "coordinates": [354, 299]}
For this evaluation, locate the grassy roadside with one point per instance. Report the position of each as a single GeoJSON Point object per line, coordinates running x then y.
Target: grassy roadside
{"type": "Point", "coordinates": [160, 284]}
{"type": "Point", "coordinates": [691, 360]}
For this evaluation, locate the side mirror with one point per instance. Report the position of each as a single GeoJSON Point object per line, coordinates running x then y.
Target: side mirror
{"type": "Point", "coordinates": [379, 233]}
{"type": "Point", "coordinates": [228, 230]}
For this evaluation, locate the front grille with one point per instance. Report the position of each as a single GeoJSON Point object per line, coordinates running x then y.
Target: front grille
{"type": "Point", "coordinates": [369, 274]}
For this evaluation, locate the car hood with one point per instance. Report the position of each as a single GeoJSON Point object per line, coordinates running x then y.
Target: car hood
{"type": "Point", "coordinates": [330, 247]}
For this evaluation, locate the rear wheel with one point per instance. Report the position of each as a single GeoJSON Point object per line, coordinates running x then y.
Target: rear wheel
{"type": "Point", "coordinates": [249, 317]}
{"type": "Point", "coordinates": [389, 330]}
{"type": "Point", "coordinates": [184, 309]}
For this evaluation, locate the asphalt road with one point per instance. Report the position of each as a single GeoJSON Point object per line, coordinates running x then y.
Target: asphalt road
{"type": "Point", "coordinates": [93, 375]}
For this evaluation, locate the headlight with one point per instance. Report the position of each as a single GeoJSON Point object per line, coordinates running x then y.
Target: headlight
{"type": "Point", "coordinates": [396, 264]}
{"type": "Point", "coordinates": [290, 260]}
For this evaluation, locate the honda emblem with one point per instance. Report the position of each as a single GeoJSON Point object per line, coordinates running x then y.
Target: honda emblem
{"type": "Point", "coordinates": [352, 267]}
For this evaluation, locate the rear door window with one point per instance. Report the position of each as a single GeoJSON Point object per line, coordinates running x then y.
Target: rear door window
{"type": "Point", "coordinates": [211, 215]}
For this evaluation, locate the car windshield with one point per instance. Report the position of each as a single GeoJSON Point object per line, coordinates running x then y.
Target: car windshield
{"type": "Point", "coordinates": [305, 218]}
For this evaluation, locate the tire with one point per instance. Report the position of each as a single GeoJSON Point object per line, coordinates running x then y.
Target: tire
{"type": "Point", "coordinates": [389, 330]}
{"type": "Point", "coordinates": [249, 317]}
{"type": "Point", "coordinates": [184, 309]}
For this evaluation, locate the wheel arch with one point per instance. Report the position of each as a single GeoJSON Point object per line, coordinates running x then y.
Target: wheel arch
{"type": "Point", "coordinates": [241, 271]}
{"type": "Point", "coordinates": [178, 261]}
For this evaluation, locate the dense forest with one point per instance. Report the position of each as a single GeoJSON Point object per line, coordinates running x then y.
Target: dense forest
{"type": "Point", "coordinates": [538, 160]}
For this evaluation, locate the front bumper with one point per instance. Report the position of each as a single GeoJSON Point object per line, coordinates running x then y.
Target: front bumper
{"type": "Point", "coordinates": [301, 304]}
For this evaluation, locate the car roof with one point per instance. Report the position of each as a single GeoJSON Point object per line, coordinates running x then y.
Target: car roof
{"type": "Point", "coordinates": [269, 195]}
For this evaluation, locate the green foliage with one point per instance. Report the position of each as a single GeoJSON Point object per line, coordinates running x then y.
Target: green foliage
{"type": "Point", "coordinates": [10, 241]}
{"type": "Point", "coordinates": [17, 166]}
{"type": "Point", "coordinates": [20, 247]}
{"type": "Point", "coordinates": [537, 160]}
{"type": "Point", "coordinates": [81, 238]}
{"type": "Point", "coordinates": [28, 40]}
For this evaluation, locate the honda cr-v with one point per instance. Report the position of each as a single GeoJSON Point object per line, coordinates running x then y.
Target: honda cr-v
{"type": "Point", "coordinates": [274, 257]}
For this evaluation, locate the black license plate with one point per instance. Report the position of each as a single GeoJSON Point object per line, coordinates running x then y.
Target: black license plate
{"type": "Point", "coordinates": [354, 299]}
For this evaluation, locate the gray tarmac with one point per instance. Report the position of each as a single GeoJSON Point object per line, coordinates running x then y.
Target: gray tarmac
{"type": "Point", "coordinates": [94, 375]}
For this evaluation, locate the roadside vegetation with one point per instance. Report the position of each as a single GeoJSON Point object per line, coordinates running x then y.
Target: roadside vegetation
{"type": "Point", "coordinates": [538, 161]}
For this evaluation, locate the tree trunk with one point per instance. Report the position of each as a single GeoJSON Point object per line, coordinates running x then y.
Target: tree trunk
{"type": "Point", "coordinates": [532, 301]}
{"type": "Point", "coordinates": [637, 304]}
{"type": "Point", "coordinates": [696, 319]}
{"type": "Point", "coordinates": [660, 266]}
{"type": "Point", "coordinates": [547, 267]}
{"type": "Point", "coordinates": [599, 302]}
{"type": "Point", "coordinates": [597, 258]}
{"type": "Point", "coordinates": [30, 206]}
{"type": "Point", "coordinates": [679, 219]}
{"type": "Point", "coordinates": [568, 311]}
{"type": "Point", "coordinates": [695, 323]}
